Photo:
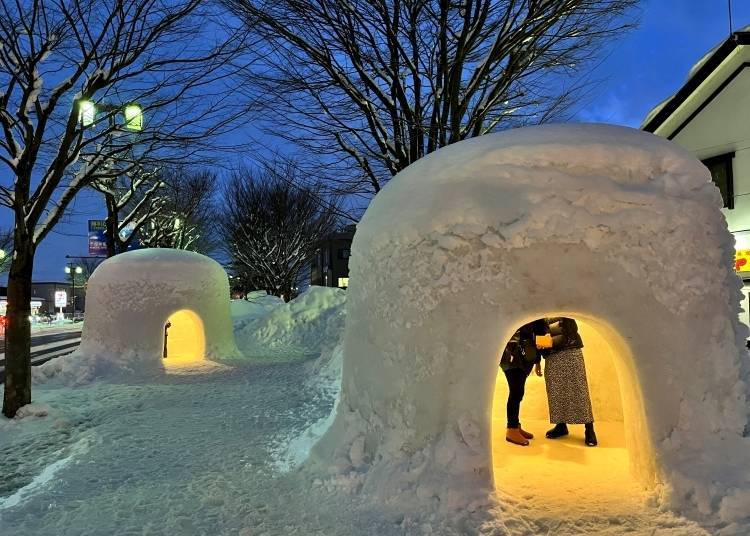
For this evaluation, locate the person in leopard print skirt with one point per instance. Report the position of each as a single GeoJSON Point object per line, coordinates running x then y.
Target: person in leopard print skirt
{"type": "Point", "coordinates": [565, 377]}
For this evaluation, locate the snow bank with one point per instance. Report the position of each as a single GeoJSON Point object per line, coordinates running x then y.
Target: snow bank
{"type": "Point", "coordinates": [612, 225]}
{"type": "Point", "coordinates": [129, 299]}
{"type": "Point", "coordinates": [307, 326]}
{"type": "Point", "coordinates": [257, 304]}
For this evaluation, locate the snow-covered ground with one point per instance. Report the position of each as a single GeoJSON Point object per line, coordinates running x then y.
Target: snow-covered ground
{"type": "Point", "coordinates": [212, 448]}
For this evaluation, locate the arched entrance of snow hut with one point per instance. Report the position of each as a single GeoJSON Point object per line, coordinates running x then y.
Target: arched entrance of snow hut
{"type": "Point", "coordinates": [564, 474]}
{"type": "Point", "coordinates": [184, 338]}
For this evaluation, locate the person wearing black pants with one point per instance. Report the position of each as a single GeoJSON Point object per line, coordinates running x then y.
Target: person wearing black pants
{"type": "Point", "coordinates": [519, 358]}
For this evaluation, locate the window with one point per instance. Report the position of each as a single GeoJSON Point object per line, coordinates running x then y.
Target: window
{"type": "Point", "coordinates": [343, 282]}
{"type": "Point", "coordinates": [721, 172]}
{"type": "Point", "coordinates": [344, 253]}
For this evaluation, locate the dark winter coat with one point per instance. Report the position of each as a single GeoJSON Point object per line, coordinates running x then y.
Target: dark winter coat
{"type": "Point", "coordinates": [564, 333]}
{"type": "Point", "coordinates": [521, 352]}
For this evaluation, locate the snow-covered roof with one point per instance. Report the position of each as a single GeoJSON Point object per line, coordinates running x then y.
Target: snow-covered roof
{"type": "Point", "coordinates": [154, 262]}
{"type": "Point", "coordinates": [699, 72]}
{"type": "Point", "coordinates": [476, 184]}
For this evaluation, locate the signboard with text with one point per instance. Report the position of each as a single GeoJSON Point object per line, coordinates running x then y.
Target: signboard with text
{"type": "Point", "coordinates": [61, 298]}
{"type": "Point", "coordinates": [742, 260]}
{"type": "Point", "coordinates": [97, 238]}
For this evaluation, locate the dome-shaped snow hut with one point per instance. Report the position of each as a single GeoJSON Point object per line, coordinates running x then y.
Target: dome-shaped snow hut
{"type": "Point", "coordinates": [608, 224]}
{"type": "Point", "coordinates": [148, 304]}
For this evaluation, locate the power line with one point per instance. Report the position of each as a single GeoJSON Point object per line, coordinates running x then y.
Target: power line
{"type": "Point", "coordinates": [729, 7]}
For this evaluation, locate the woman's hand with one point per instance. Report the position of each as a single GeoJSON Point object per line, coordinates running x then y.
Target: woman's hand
{"type": "Point", "coordinates": [538, 369]}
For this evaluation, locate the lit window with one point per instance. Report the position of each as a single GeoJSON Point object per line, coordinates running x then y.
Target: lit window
{"type": "Point", "coordinates": [343, 282]}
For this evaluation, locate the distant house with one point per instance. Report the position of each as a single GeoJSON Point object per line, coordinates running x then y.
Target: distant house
{"type": "Point", "coordinates": [330, 265]}
{"type": "Point", "coordinates": [710, 116]}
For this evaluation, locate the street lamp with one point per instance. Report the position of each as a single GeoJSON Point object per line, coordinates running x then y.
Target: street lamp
{"type": "Point", "coordinates": [69, 269]}
{"type": "Point", "coordinates": [86, 112]}
{"type": "Point", "coordinates": [133, 117]}
{"type": "Point", "coordinates": [132, 113]}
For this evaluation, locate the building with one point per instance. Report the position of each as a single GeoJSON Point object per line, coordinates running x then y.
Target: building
{"type": "Point", "coordinates": [330, 266]}
{"type": "Point", "coordinates": [710, 116]}
{"type": "Point", "coordinates": [37, 304]}
{"type": "Point", "coordinates": [44, 291]}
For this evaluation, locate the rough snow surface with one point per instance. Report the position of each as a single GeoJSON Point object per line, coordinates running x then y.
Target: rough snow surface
{"type": "Point", "coordinates": [202, 454]}
{"type": "Point", "coordinates": [611, 225]}
{"type": "Point", "coordinates": [257, 304]}
{"type": "Point", "coordinates": [616, 227]}
{"type": "Point", "coordinates": [216, 449]}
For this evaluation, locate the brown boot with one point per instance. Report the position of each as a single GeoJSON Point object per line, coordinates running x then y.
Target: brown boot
{"type": "Point", "coordinates": [513, 435]}
{"type": "Point", "coordinates": [524, 433]}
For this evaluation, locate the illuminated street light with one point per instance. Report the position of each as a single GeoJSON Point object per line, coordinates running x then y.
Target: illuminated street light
{"type": "Point", "coordinates": [133, 117]}
{"type": "Point", "coordinates": [86, 112]}
{"type": "Point", "coordinates": [73, 271]}
{"type": "Point", "coordinates": [132, 112]}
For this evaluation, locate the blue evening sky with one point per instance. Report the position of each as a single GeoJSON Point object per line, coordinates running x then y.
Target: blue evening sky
{"type": "Point", "coordinates": [640, 70]}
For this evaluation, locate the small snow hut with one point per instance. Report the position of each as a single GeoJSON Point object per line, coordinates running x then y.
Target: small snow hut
{"type": "Point", "coordinates": [606, 224]}
{"type": "Point", "coordinates": [143, 304]}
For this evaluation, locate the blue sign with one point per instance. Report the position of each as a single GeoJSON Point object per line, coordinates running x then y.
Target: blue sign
{"type": "Point", "coordinates": [97, 238]}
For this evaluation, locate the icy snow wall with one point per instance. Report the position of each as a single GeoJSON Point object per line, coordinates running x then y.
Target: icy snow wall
{"type": "Point", "coordinates": [130, 297]}
{"type": "Point", "coordinates": [607, 224]}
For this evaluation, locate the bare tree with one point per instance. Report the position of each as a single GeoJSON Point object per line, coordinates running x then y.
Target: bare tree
{"type": "Point", "coordinates": [183, 217]}
{"type": "Point", "coordinates": [61, 58]}
{"type": "Point", "coordinates": [373, 85]}
{"type": "Point", "coordinates": [131, 200]}
{"type": "Point", "coordinates": [271, 226]}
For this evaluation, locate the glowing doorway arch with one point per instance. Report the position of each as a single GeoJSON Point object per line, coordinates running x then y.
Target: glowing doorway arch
{"type": "Point", "coordinates": [623, 465]}
{"type": "Point", "coordinates": [184, 338]}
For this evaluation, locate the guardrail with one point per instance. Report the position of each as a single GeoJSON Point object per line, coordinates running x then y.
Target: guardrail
{"type": "Point", "coordinates": [45, 354]}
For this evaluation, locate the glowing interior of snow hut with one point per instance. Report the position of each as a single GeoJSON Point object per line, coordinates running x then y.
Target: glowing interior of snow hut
{"type": "Point", "coordinates": [184, 339]}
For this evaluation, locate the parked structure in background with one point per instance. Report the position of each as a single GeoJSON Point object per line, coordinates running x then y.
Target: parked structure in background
{"type": "Point", "coordinates": [330, 265]}
{"type": "Point", "coordinates": [710, 116]}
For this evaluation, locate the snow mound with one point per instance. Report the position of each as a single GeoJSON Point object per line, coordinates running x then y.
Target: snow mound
{"type": "Point", "coordinates": [33, 410]}
{"type": "Point", "coordinates": [257, 304]}
{"type": "Point", "coordinates": [130, 298]}
{"type": "Point", "coordinates": [307, 326]}
{"type": "Point", "coordinates": [615, 226]}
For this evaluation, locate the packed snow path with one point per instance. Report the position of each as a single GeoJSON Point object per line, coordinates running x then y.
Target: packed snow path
{"type": "Point", "coordinates": [195, 452]}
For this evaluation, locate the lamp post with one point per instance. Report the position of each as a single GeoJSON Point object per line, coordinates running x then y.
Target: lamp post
{"type": "Point", "coordinates": [73, 270]}
{"type": "Point", "coordinates": [132, 113]}
{"type": "Point", "coordinates": [132, 120]}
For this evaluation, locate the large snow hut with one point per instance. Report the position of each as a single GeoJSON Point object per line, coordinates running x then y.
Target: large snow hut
{"type": "Point", "coordinates": [147, 305]}
{"type": "Point", "coordinates": [610, 225]}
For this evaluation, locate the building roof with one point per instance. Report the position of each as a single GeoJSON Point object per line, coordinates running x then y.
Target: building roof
{"type": "Point", "coordinates": [704, 70]}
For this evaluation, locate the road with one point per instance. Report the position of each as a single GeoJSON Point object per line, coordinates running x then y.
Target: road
{"type": "Point", "coordinates": [46, 346]}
